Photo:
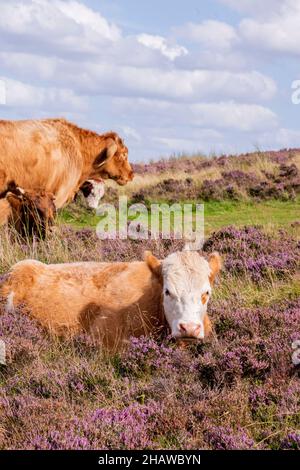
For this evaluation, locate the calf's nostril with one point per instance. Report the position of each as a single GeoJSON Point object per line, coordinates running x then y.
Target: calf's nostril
{"type": "Point", "coordinates": [192, 330]}
{"type": "Point", "coordinates": [197, 330]}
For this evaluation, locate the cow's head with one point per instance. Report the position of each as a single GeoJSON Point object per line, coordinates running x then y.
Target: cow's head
{"type": "Point", "coordinates": [112, 162]}
{"type": "Point", "coordinates": [187, 279]}
{"type": "Point", "coordinates": [93, 192]}
{"type": "Point", "coordinates": [32, 212]}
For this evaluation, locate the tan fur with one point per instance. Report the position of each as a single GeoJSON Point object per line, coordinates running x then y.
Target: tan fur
{"type": "Point", "coordinates": [29, 212]}
{"type": "Point", "coordinates": [111, 301]}
{"type": "Point", "coordinates": [58, 157]}
{"type": "Point", "coordinates": [215, 263]}
{"type": "Point", "coordinates": [5, 211]}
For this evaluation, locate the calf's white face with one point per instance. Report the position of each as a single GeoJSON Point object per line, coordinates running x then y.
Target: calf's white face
{"type": "Point", "coordinates": [187, 283]}
{"type": "Point", "coordinates": [93, 191]}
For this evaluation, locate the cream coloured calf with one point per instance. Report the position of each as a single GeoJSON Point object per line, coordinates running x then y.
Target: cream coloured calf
{"type": "Point", "coordinates": [113, 301]}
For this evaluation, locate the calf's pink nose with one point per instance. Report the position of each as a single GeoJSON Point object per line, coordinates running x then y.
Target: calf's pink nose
{"type": "Point", "coordinates": [191, 330]}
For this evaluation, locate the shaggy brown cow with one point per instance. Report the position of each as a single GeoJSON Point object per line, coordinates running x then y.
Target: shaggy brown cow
{"type": "Point", "coordinates": [56, 156]}
{"type": "Point", "coordinates": [29, 212]}
{"type": "Point", "coordinates": [114, 301]}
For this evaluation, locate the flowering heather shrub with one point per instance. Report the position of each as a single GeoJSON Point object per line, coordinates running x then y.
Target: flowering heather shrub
{"type": "Point", "coordinates": [283, 185]}
{"type": "Point", "coordinates": [251, 251]}
{"type": "Point", "coordinates": [145, 355]}
{"type": "Point", "coordinates": [240, 178]}
{"type": "Point", "coordinates": [292, 441]}
{"type": "Point", "coordinates": [165, 399]}
{"type": "Point", "coordinates": [282, 156]}
{"type": "Point", "coordinates": [218, 190]}
{"type": "Point", "coordinates": [186, 164]}
{"type": "Point", "coordinates": [84, 244]}
{"type": "Point", "coordinates": [167, 190]}
{"type": "Point", "coordinates": [199, 162]}
{"type": "Point", "coordinates": [238, 185]}
{"type": "Point", "coordinates": [132, 427]}
{"type": "Point", "coordinates": [224, 438]}
{"type": "Point", "coordinates": [254, 341]}
{"type": "Point", "coordinates": [258, 176]}
{"type": "Point", "coordinates": [234, 185]}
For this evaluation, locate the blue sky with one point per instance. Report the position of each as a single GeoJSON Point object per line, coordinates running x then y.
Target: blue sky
{"type": "Point", "coordinates": [212, 76]}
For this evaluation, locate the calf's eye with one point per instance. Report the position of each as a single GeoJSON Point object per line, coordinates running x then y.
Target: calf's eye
{"type": "Point", "coordinates": [205, 297]}
{"type": "Point", "coordinates": [167, 292]}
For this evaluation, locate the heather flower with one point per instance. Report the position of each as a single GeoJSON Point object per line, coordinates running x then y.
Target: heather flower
{"type": "Point", "coordinates": [225, 438]}
{"type": "Point", "coordinates": [249, 250]}
{"type": "Point", "coordinates": [145, 355]}
{"type": "Point", "coordinates": [291, 441]}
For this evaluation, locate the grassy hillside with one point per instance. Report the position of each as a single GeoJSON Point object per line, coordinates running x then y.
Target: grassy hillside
{"type": "Point", "coordinates": [237, 390]}
{"type": "Point", "coordinates": [259, 188]}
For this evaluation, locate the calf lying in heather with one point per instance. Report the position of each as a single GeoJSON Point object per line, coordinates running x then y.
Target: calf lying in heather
{"type": "Point", "coordinates": [113, 301]}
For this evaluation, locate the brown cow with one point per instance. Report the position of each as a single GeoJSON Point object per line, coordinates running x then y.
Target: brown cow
{"type": "Point", "coordinates": [114, 301]}
{"type": "Point", "coordinates": [57, 156]}
{"type": "Point", "coordinates": [29, 212]}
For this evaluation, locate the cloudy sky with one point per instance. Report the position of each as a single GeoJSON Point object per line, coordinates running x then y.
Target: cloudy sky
{"type": "Point", "coordinates": [170, 76]}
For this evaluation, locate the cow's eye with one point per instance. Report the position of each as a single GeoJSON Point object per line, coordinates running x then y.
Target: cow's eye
{"type": "Point", "coordinates": [167, 292]}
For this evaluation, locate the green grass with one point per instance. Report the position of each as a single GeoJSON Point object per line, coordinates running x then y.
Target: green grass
{"type": "Point", "coordinates": [270, 214]}
{"type": "Point", "coordinates": [80, 220]}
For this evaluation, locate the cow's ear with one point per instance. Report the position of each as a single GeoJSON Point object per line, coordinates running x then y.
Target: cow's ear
{"type": "Point", "coordinates": [215, 263]}
{"type": "Point", "coordinates": [107, 153]}
{"type": "Point", "coordinates": [153, 263]}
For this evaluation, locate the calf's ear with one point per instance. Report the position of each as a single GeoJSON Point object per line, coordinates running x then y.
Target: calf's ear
{"type": "Point", "coordinates": [215, 263]}
{"type": "Point", "coordinates": [153, 263]}
{"type": "Point", "coordinates": [106, 153]}
{"type": "Point", "coordinates": [14, 201]}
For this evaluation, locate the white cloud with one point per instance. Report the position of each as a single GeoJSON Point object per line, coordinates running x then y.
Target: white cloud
{"type": "Point", "coordinates": [70, 25]}
{"type": "Point", "coordinates": [234, 116]}
{"type": "Point", "coordinates": [123, 80]}
{"type": "Point", "coordinates": [278, 33]}
{"type": "Point", "coordinates": [176, 84]}
{"type": "Point", "coordinates": [210, 34]}
{"type": "Point", "coordinates": [91, 21]}
{"type": "Point", "coordinates": [272, 25]}
{"type": "Point", "coordinates": [160, 43]}
{"type": "Point", "coordinates": [21, 95]}
{"type": "Point", "coordinates": [73, 26]}
{"type": "Point", "coordinates": [226, 115]}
